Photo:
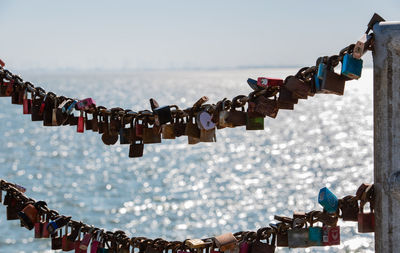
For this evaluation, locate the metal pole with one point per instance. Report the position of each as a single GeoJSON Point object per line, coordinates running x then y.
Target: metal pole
{"type": "Point", "coordinates": [386, 57]}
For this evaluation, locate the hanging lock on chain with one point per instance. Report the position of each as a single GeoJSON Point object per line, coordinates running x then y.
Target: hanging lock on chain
{"type": "Point", "coordinates": [328, 200]}
{"type": "Point", "coordinates": [206, 126]}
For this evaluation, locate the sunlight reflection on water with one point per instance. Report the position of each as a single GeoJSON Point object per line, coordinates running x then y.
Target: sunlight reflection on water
{"type": "Point", "coordinates": [178, 191]}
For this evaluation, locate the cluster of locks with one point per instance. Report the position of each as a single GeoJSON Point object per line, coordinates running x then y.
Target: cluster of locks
{"type": "Point", "coordinates": [198, 122]}
{"type": "Point", "coordinates": [300, 231]}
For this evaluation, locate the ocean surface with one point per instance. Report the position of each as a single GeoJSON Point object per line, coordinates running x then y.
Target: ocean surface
{"type": "Point", "coordinates": [178, 191]}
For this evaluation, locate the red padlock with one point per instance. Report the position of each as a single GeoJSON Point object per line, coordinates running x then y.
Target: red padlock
{"type": "Point", "coordinates": [86, 240]}
{"type": "Point", "coordinates": [330, 235]}
{"type": "Point", "coordinates": [81, 124]}
{"type": "Point", "coordinates": [138, 129]}
{"type": "Point", "coordinates": [26, 104]}
{"type": "Point", "coordinates": [45, 232]}
{"type": "Point", "coordinates": [366, 221]}
{"type": "Point", "coordinates": [38, 229]}
{"type": "Point", "coordinates": [267, 82]}
{"type": "Point", "coordinates": [67, 245]}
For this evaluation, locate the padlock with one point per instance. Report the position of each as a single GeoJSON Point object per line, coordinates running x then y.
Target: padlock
{"type": "Point", "coordinates": [197, 244]}
{"type": "Point", "coordinates": [226, 241]}
{"type": "Point", "coordinates": [56, 241]}
{"type": "Point", "coordinates": [281, 234]}
{"type": "Point", "coordinates": [351, 67]}
{"type": "Point", "coordinates": [88, 122]}
{"type": "Point", "coordinates": [29, 215]}
{"type": "Point", "coordinates": [3, 86]}
{"type": "Point", "coordinates": [17, 94]}
{"type": "Point", "coordinates": [108, 137]}
{"type": "Point", "coordinates": [77, 243]}
{"type": "Point", "coordinates": [328, 200]}
{"type": "Point", "coordinates": [67, 245]}
{"type": "Point", "coordinates": [72, 120]}
{"type": "Point", "coordinates": [57, 224]}
{"type": "Point", "coordinates": [362, 45]}
{"type": "Point", "coordinates": [45, 223]}
{"type": "Point", "coordinates": [237, 118]}
{"type": "Point", "coordinates": [138, 128]}
{"type": "Point", "coordinates": [168, 131]}
{"type": "Point", "coordinates": [259, 246]}
{"type": "Point", "coordinates": [124, 135]}
{"type": "Point", "coordinates": [286, 100]}
{"type": "Point", "coordinates": [254, 120]}
{"type": "Point", "coordinates": [164, 114]}
{"type": "Point", "coordinates": [266, 107]}
{"type": "Point", "coordinates": [244, 247]}
{"type": "Point", "coordinates": [224, 114]}
{"type": "Point", "coordinates": [151, 134]}
{"type": "Point", "coordinates": [298, 87]}
{"type": "Point", "coordinates": [86, 240]}
{"type": "Point", "coordinates": [207, 135]}
{"type": "Point", "coordinates": [94, 246]}
{"type": "Point", "coordinates": [46, 108]}
{"type": "Point", "coordinates": [61, 114]}
{"type": "Point", "coordinates": [179, 126]}
{"type": "Point", "coordinates": [267, 82]}
{"type": "Point", "coordinates": [38, 228]}
{"type": "Point", "coordinates": [115, 122]}
{"type": "Point", "coordinates": [298, 235]}
{"type": "Point", "coordinates": [136, 148]}
{"type": "Point", "coordinates": [366, 221]}
{"type": "Point", "coordinates": [204, 121]}
{"type": "Point", "coordinates": [95, 122]}
{"type": "Point", "coordinates": [36, 104]}
{"type": "Point", "coordinates": [13, 207]}
{"type": "Point", "coordinates": [26, 103]}
{"type": "Point", "coordinates": [81, 124]}
{"type": "Point", "coordinates": [330, 235]}
{"type": "Point", "coordinates": [85, 104]}
{"type": "Point", "coordinates": [192, 129]}
{"type": "Point", "coordinates": [332, 83]}
{"type": "Point", "coordinates": [314, 232]}
{"type": "Point", "coordinates": [349, 208]}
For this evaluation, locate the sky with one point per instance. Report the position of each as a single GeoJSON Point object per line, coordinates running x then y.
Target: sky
{"type": "Point", "coordinates": [178, 34]}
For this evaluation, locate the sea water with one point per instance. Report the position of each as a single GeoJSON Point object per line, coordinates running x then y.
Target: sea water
{"type": "Point", "coordinates": [178, 191]}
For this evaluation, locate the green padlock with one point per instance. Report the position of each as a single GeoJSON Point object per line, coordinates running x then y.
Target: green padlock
{"type": "Point", "coordinates": [254, 121]}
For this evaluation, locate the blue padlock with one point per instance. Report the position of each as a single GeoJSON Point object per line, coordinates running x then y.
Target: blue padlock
{"type": "Point", "coordinates": [315, 236]}
{"type": "Point", "coordinates": [328, 200]}
{"type": "Point", "coordinates": [70, 108]}
{"type": "Point", "coordinates": [57, 224]}
{"type": "Point", "coordinates": [351, 67]}
{"type": "Point", "coordinates": [320, 76]}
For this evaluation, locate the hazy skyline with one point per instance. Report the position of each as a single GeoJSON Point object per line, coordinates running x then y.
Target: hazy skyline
{"type": "Point", "coordinates": [180, 34]}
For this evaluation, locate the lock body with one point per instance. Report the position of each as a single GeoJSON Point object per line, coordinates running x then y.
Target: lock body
{"type": "Point", "coordinates": [331, 235]}
{"type": "Point", "coordinates": [267, 82]}
{"type": "Point", "coordinates": [328, 200]}
{"type": "Point", "coordinates": [315, 236]}
{"type": "Point", "coordinates": [298, 87]}
{"type": "Point", "coordinates": [366, 222]}
{"type": "Point", "coordinates": [298, 238]}
{"type": "Point", "coordinates": [351, 67]}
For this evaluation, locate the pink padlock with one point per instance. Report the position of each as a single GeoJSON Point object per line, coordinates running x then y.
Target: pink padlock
{"type": "Point", "coordinates": [85, 241]}
{"type": "Point", "coordinates": [85, 104]}
{"type": "Point", "coordinates": [95, 243]}
{"type": "Point", "coordinates": [244, 247]}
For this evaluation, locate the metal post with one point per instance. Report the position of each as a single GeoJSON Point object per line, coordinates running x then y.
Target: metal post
{"type": "Point", "coordinates": [386, 57]}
